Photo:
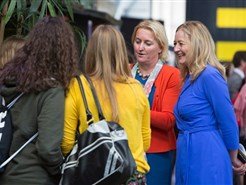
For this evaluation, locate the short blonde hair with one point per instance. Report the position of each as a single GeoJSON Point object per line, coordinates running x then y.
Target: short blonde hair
{"type": "Point", "coordinates": [202, 50]}
{"type": "Point", "coordinates": [159, 34]}
{"type": "Point", "coordinates": [9, 48]}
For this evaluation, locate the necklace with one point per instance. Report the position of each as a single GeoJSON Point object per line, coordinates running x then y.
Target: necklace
{"type": "Point", "coordinates": [141, 75]}
{"type": "Point", "coordinates": [153, 75]}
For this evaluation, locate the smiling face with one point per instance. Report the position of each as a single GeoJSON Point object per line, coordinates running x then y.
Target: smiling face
{"type": "Point", "coordinates": [181, 46]}
{"type": "Point", "coordinates": [146, 48]}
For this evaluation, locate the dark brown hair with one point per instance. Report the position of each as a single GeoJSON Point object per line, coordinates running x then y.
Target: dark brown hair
{"type": "Point", "coordinates": [238, 57]}
{"type": "Point", "coordinates": [48, 59]}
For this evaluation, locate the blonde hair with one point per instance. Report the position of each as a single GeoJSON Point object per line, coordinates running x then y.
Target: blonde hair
{"type": "Point", "coordinates": [9, 48]}
{"type": "Point", "coordinates": [106, 59]}
{"type": "Point", "coordinates": [159, 34]}
{"type": "Point", "coordinates": [202, 50]}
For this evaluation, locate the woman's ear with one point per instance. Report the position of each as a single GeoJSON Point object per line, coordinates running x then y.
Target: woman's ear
{"type": "Point", "coordinates": [160, 50]}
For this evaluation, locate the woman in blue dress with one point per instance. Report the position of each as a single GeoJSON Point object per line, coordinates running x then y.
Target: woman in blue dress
{"type": "Point", "coordinates": [208, 140]}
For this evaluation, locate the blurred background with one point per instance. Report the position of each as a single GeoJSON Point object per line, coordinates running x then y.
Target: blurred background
{"type": "Point", "coordinates": [226, 19]}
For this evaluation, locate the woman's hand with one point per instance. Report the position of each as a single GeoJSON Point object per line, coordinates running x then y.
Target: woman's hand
{"type": "Point", "coordinates": [238, 167]}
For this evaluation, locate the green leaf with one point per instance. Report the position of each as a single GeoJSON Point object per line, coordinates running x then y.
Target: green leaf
{"type": "Point", "coordinates": [10, 11]}
{"type": "Point", "coordinates": [19, 5]}
{"type": "Point", "coordinates": [82, 39]}
{"type": "Point", "coordinates": [43, 9]}
{"type": "Point", "coordinates": [51, 9]}
{"type": "Point", "coordinates": [2, 4]}
{"type": "Point", "coordinates": [31, 20]}
{"type": "Point", "coordinates": [59, 1]}
{"type": "Point", "coordinates": [69, 6]}
{"type": "Point", "coordinates": [19, 9]}
{"type": "Point", "coordinates": [35, 5]}
{"type": "Point", "coordinates": [58, 6]}
{"type": "Point", "coordinates": [30, 15]}
{"type": "Point", "coordinates": [23, 3]}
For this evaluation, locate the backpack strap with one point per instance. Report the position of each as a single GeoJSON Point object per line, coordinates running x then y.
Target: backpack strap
{"type": "Point", "coordinates": [14, 154]}
{"type": "Point", "coordinates": [13, 101]}
{"type": "Point", "coordinates": [26, 143]}
{"type": "Point", "coordinates": [2, 101]}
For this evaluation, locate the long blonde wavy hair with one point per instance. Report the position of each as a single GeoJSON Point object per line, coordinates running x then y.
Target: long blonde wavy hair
{"type": "Point", "coordinates": [106, 60]}
{"type": "Point", "coordinates": [202, 50]}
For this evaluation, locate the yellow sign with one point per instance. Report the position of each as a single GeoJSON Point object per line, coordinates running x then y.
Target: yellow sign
{"type": "Point", "coordinates": [226, 49]}
{"type": "Point", "coordinates": [231, 17]}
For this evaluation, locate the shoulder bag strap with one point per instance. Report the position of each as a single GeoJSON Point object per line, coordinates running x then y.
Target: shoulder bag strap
{"type": "Point", "coordinates": [99, 108]}
{"type": "Point", "coordinates": [89, 117]}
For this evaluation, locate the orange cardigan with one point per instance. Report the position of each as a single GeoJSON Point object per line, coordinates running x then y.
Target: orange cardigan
{"type": "Point", "coordinates": [168, 86]}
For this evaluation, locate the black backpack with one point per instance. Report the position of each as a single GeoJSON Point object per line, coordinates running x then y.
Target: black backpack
{"type": "Point", "coordinates": [5, 128]}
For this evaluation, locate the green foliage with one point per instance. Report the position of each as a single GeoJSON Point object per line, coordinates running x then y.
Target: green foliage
{"type": "Point", "coordinates": [21, 15]}
{"type": "Point", "coordinates": [27, 12]}
{"type": "Point", "coordinates": [10, 11]}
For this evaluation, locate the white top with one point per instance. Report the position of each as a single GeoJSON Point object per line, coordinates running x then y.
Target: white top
{"type": "Point", "coordinates": [239, 72]}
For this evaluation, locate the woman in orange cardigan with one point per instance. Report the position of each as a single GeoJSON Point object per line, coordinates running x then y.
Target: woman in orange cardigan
{"type": "Point", "coordinates": [162, 86]}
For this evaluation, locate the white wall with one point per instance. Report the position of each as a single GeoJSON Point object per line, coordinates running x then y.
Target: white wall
{"type": "Point", "coordinates": [172, 12]}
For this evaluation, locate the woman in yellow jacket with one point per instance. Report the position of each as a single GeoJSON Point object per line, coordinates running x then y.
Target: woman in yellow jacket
{"type": "Point", "coordinates": [122, 97]}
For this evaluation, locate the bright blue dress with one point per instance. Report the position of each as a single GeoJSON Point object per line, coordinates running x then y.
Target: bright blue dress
{"type": "Point", "coordinates": [208, 130]}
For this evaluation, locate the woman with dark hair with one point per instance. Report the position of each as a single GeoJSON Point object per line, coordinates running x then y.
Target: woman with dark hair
{"type": "Point", "coordinates": [237, 78]}
{"type": "Point", "coordinates": [42, 70]}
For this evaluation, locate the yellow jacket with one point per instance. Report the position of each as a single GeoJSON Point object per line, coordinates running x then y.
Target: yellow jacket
{"type": "Point", "coordinates": [134, 115]}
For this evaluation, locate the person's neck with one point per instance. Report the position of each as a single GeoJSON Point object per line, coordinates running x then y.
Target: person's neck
{"type": "Point", "coordinates": [146, 69]}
